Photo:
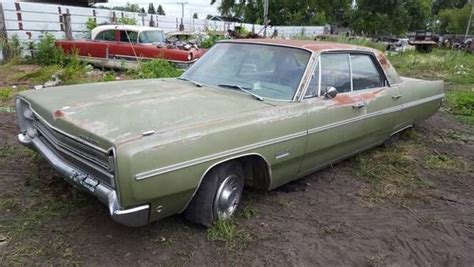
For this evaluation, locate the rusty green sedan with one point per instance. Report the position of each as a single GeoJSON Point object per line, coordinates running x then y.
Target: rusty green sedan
{"type": "Point", "coordinates": [249, 113]}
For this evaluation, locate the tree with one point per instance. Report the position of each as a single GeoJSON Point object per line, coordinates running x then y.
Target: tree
{"type": "Point", "coordinates": [388, 17]}
{"type": "Point", "coordinates": [128, 7]}
{"type": "Point", "coordinates": [160, 11]}
{"type": "Point", "coordinates": [195, 16]}
{"type": "Point", "coordinates": [288, 12]}
{"type": "Point", "coordinates": [142, 10]}
{"type": "Point", "coordinates": [455, 20]}
{"type": "Point", "coordinates": [151, 9]}
{"type": "Point", "coordinates": [438, 5]}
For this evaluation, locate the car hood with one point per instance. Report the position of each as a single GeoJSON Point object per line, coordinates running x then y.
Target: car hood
{"type": "Point", "coordinates": [120, 112]}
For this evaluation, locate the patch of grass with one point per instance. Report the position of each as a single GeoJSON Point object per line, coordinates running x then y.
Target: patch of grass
{"type": "Point", "coordinates": [109, 76]}
{"type": "Point", "coordinates": [460, 103]}
{"type": "Point", "coordinates": [39, 75]}
{"type": "Point", "coordinates": [6, 94]}
{"type": "Point", "coordinates": [445, 162]}
{"type": "Point", "coordinates": [390, 174]}
{"type": "Point", "coordinates": [456, 67]}
{"type": "Point", "coordinates": [227, 231]}
{"type": "Point", "coordinates": [156, 69]}
{"type": "Point", "coordinates": [248, 213]}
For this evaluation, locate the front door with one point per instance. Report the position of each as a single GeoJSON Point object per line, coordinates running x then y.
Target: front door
{"type": "Point", "coordinates": [361, 115]}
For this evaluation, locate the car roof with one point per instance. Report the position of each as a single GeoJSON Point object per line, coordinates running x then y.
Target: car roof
{"type": "Point", "coordinates": [132, 28]}
{"type": "Point", "coordinates": [316, 46]}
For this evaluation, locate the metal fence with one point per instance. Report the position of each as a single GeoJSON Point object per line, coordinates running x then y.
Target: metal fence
{"type": "Point", "coordinates": [28, 21]}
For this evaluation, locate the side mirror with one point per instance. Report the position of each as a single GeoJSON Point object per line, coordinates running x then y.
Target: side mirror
{"type": "Point", "coordinates": [330, 92]}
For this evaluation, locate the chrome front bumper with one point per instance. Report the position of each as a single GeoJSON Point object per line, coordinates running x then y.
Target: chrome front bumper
{"type": "Point", "coordinates": [133, 217]}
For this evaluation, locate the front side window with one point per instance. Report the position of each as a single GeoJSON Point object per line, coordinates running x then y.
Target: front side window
{"type": "Point", "coordinates": [108, 35]}
{"type": "Point", "coordinates": [365, 74]}
{"type": "Point", "coordinates": [265, 70]}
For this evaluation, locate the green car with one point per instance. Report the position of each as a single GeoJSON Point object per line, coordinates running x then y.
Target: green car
{"type": "Point", "coordinates": [257, 113]}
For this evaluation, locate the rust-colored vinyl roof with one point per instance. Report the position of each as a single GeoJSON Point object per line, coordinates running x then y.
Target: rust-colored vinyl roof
{"type": "Point", "coordinates": [316, 46]}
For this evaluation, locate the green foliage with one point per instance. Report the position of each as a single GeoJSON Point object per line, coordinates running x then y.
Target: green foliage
{"type": "Point", "coordinates": [451, 66]}
{"type": "Point", "coordinates": [461, 104]}
{"type": "Point", "coordinates": [109, 76]}
{"type": "Point", "coordinates": [354, 41]}
{"type": "Point", "coordinates": [284, 12]}
{"type": "Point", "coordinates": [390, 17]}
{"type": "Point", "coordinates": [211, 40]}
{"type": "Point", "coordinates": [13, 48]}
{"type": "Point", "coordinates": [128, 7]}
{"type": "Point", "coordinates": [91, 23]}
{"type": "Point", "coordinates": [447, 4]}
{"type": "Point", "coordinates": [47, 53]}
{"type": "Point", "coordinates": [5, 93]}
{"type": "Point", "coordinates": [455, 20]}
{"type": "Point", "coordinates": [228, 232]}
{"type": "Point", "coordinates": [127, 21]}
{"type": "Point", "coordinates": [156, 69]}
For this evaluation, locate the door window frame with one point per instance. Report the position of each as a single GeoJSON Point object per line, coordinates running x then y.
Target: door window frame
{"type": "Point", "coordinates": [348, 53]}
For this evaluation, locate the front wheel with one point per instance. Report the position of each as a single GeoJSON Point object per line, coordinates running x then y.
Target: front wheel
{"type": "Point", "coordinates": [218, 195]}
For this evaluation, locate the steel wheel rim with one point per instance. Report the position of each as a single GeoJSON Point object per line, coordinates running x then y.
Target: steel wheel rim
{"type": "Point", "coordinates": [228, 196]}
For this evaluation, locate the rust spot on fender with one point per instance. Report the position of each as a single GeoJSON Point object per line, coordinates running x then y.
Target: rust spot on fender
{"type": "Point", "coordinates": [58, 114]}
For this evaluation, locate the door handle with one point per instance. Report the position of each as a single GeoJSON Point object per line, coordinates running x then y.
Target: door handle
{"type": "Point", "coordinates": [396, 97]}
{"type": "Point", "coordinates": [358, 105]}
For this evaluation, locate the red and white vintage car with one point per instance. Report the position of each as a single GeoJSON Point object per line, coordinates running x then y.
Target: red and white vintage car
{"type": "Point", "coordinates": [116, 45]}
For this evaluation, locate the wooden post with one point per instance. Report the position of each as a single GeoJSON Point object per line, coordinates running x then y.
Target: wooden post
{"type": "Point", "coordinates": [3, 35]}
{"type": "Point", "coordinates": [67, 25]}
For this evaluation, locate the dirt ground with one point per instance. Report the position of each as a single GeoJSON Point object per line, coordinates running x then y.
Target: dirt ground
{"type": "Point", "coordinates": [333, 217]}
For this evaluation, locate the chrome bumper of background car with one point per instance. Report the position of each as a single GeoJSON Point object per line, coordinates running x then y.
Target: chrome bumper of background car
{"type": "Point", "coordinates": [133, 217]}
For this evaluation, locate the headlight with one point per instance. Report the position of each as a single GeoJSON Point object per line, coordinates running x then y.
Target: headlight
{"type": "Point", "coordinates": [27, 113]}
{"type": "Point", "coordinates": [190, 56]}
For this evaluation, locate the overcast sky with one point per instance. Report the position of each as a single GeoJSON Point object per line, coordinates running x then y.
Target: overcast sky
{"type": "Point", "coordinates": [202, 7]}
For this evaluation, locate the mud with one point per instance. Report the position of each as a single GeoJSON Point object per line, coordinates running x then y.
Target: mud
{"type": "Point", "coordinates": [319, 220]}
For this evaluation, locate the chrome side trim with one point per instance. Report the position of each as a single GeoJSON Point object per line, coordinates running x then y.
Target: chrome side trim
{"type": "Point", "coordinates": [155, 172]}
{"type": "Point", "coordinates": [173, 167]}
{"type": "Point", "coordinates": [134, 217]}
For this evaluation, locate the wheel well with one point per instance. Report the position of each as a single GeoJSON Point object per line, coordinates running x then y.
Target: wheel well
{"type": "Point", "coordinates": [257, 171]}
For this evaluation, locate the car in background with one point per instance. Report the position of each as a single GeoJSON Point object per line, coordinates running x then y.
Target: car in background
{"type": "Point", "coordinates": [251, 112]}
{"type": "Point", "coordinates": [112, 45]}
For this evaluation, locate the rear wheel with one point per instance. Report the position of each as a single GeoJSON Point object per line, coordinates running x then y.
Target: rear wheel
{"type": "Point", "coordinates": [218, 195]}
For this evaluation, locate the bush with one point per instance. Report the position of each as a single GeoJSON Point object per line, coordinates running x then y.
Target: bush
{"type": "Point", "coordinates": [127, 21]}
{"type": "Point", "coordinates": [211, 40]}
{"type": "Point", "coordinates": [47, 52]}
{"type": "Point", "coordinates": [13, 48]}
{"type": "Point", "coordinates": [157, 68]}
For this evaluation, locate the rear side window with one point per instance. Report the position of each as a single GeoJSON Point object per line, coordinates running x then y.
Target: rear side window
{"type": "Point", "coordinates": [365, 74]}
{"type": "Point", "coordinates": [128, 36]}
{"type": "Point", "coordinates": [335, 72]}
{"type": "Point", "coordinates": [106, 35]}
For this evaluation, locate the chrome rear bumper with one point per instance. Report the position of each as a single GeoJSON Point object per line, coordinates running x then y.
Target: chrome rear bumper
{"type": "Point", "coordinates": [133, 217]}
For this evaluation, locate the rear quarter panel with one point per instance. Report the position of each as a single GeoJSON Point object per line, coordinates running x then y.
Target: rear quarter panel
{"type": "Point", "coordinates": [421, 99]}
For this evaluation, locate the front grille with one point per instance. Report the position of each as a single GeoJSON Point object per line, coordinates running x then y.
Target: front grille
{"type": "Point", "coordinates": [81, 156]}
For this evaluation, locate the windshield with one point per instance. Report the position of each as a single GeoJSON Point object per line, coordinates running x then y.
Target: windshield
{"type": "Point", "coordinates": [265, 70]}
{"type": "Point", "coordinates": [147, 37]}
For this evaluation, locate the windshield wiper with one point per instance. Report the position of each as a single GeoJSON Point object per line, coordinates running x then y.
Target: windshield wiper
{"type": "Point", "coordinates": [246, 90]}
{"type": "Point", "coordinates": [191, 81]}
